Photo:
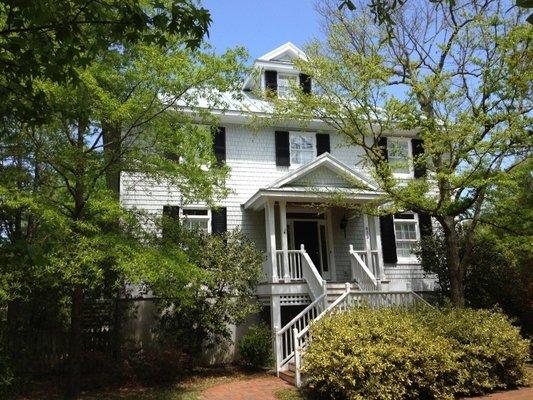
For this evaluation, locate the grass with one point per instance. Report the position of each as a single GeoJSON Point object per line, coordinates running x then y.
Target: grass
{"type": "Point", "coordinates": [289, 394]}
{"type": "Point", "coordinates": [187, 388]}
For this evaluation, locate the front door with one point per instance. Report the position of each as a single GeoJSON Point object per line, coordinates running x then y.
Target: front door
{"type": "Point", "coordinates": [312, 234]}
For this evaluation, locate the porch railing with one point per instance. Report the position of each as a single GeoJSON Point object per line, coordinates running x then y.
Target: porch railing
{"type": "Point", "coordinates": [315, 282]}
{"type": "Point", "coordinates": [364, 277]}
{"type": "Point", "coordinates": [295, 264]}
{"type": "Point", "coordinates": [371, 260]}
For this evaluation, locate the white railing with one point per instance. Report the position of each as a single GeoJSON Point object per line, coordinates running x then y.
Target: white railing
{"type": "Point", "coordinates": [301, 337]}
{"type": "Point", "coordinates": [361, 273]}
{"type": "Point", "coordinates": [371, 260]}
{"type": "Point", "coordinates": [376, 299]}
{"type": "Point", "coordinates": [284, 337]}
{"type": "Point", "coordinates": [316, 284]}
{"type": "Point", "coordinates": [295, 264]}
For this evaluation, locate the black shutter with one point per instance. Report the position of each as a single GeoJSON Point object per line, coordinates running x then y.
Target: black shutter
{"type": "Point", "coordinates": [388, 239]}
{"type": "Point", "coordinates": [218, 220]}
{"type": "Point", "coordinates": [219, 144]}
{"type": "Point", "coordinates": [171, 214]}
{"type": "Point", "coordinates": [305, 83]}
{"type": "Point", "coordinates": [418, 149]}
{"type": "Point", "coordinates": [424, 223]}
{"type": "Point", "coordinates": [283, 152]}
{"type": "Point", "coordinates": [382, 142]}
{"type": "Point", "coordinates": [322, 143]}
{"type": "Point", "coordinates": [271, 81]}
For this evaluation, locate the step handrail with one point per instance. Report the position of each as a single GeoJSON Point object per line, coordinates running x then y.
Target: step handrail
{"type": "Point", "coordinates": [284, 339]}
{"type": "Point", "coordinates": [315, 282]}
{"type": "Point", "coordinates": [362, 274]}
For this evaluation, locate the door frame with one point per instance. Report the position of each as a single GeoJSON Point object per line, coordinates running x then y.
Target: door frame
{"type": "Point", "coordinates": [326, 222]}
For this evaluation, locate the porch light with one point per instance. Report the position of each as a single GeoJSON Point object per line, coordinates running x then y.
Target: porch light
{"type": "Point", "coordinates": [344, 223]}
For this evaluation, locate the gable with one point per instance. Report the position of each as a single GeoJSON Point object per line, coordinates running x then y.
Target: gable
{"type": "Point", "coordinates": [323, 177]}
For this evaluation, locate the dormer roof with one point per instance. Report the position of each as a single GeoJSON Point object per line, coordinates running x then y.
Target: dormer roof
{"type": "Point", "coordinates": [284, 53]}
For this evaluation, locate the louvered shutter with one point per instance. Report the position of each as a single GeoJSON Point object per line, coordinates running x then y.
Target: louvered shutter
{"type": "Point", "coordinates": [322, 143]}
{"type": "Point", "coordinates": [305, 83]}
{"type": "Point", "coordinates": [219, 144]}
{"type": "Point", "coordinates": [283, 152]}
{"type": "Point", "coordinates": [418, 149]}
{"type": "Point", "coordinates": [425, 225]}
{"type": "Point", "coordinates": [382, 142]}
{"type": "Point", "coordinates": [388, 239]}
{"type": "Point", "coordinates": [271, 81]}
{"type": "Point", "coordinates": [171, 216]}
{"type": "Point", "coordinates": [218, 220]}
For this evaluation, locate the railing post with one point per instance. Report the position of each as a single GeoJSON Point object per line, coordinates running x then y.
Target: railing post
{"type": "Point", "coordinates": [352, 269]}
{"type": "Point", "coordinates": [378, 285]}
{"type": "Point", "coordinates": [277, 349]}
{"type": "Point", "coordinates": [297, 361]}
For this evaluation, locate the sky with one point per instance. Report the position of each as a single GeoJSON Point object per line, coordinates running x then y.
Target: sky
{"type": "Point", "coordinates": [261, 26]}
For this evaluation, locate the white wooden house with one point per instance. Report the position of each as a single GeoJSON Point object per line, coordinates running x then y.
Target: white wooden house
{"type": "Point", "coordinates": [276, 173]}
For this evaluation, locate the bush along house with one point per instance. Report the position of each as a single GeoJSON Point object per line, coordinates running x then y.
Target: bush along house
{"type": "Point", "coordinates": [315, 261]}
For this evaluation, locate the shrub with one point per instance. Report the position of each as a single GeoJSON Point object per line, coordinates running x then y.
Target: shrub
{"type": "Point", "coordinates": [255, 347]}
{"type": "Point", "coordinates": [413, 354]}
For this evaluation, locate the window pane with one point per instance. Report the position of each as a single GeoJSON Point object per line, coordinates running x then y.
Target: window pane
{"type": "Point", "coordinates": [405, 249]}
{"type": "Point", "coordinates": [405, 230]}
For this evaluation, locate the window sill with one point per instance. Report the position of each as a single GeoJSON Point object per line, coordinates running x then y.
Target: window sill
{"type": "Point", "coordinates": [408, 261]}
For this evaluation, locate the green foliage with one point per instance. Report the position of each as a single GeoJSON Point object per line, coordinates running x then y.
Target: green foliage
{"type": "Point", "coordinates": [255, 347]}
{"type": "Point", "coordinates": [414, 354]}
{"type": "Point", "coordinates": [221, 293]}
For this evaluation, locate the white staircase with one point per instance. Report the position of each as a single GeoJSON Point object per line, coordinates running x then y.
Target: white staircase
{"type": "Point", "coordinates": [292, 340]}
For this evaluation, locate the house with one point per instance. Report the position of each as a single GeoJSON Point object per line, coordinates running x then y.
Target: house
{"type": "Point", "coordinates": [276, 174]}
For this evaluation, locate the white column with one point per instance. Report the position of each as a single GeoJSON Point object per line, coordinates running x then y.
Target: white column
{"type": "Point", "coordinates": [368, 245]}
{"type": "Point", "coordinates": [275, 319]}
{"type": "Point", "coordinates": [377, 228]}
{"type": "Point", "coordinates": [284, 240]}
{"type": "Point", "coordinates": [270, 225]}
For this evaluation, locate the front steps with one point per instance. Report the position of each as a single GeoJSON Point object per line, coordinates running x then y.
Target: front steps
{"type": "Point", "coordinates": [289, 375]}
{"type": "Point", "coordinates": [336, 289]}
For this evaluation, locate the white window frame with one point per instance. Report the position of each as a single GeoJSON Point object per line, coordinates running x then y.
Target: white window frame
{"type": "Point", "coordinates": [412, 258]}
{"type": "Point", "coordinates": [289, 76]}
{"type": "Point", "coordinates": [184, 216]}
{"type": "Point", "coordinates": [312, 136]}
{"type": "Point", "coordinates": [390, 141]}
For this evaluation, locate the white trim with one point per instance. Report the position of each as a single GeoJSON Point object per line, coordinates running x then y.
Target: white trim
{"type": "Point", "coordinates": [284, 48]}
{"type": "Point", "coordinates": [207, 217]}
{"type": "Point", "coordinates": [312, 136]}
{"type": "Point", "coordinates": [409, 159]}
{"type": "Point", "coordinates": [411, 259]}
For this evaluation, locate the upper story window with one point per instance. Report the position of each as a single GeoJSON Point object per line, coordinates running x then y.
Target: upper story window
{"type": "Point", "coordinates": [196, 219]}
{"type": "Point", "coordinates": [302, 147]}
{"type": "Point", "coordinates": [399, 154]}
{"type": "Point", "coordinates": [286, 83]}
{"type": "Point", "coordinates": [407, 234]}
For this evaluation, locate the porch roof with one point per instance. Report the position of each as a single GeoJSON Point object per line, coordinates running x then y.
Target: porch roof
{"type": "Point", "coordinates": [321, 180]}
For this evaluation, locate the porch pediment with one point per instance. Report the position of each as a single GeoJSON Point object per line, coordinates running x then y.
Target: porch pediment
{"type": "Point", "coordinates": [324, 172]}
{"type": "Point", "coordinates": [317, 181]}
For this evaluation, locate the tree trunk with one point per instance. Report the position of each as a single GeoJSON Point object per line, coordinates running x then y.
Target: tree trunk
{"type": "Point", "coordinates": [455, 269]}
{"type": "Point", "coordinates": [75, 345]}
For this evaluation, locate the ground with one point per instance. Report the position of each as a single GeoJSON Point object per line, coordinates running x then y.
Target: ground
{"type": "Point", "coordinates": [230, 384]}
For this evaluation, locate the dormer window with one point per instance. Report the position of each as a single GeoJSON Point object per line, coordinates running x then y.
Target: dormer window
{"type": "Point", "coordinates": [286, 83]}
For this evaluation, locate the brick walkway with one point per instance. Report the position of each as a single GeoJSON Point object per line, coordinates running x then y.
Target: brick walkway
{"type": "Point", "coordinates": [520, 394]}
{"type": "Point", "coordinates": [261, 388]}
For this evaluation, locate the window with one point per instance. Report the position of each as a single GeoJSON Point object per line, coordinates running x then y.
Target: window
{"type": "Point", "coordinates": [286, 83]}
{"type": "Point", "coordinates": [302, 147]}
{"type": "Point", "coordinates": [196, 219]}
{"type": "Point", "coordinates": [406, 232]}
{"type": "Point", "coordinates": [399, 153]}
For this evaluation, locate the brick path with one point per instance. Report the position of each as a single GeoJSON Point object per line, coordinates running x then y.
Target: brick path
{"type": "Point", "coordinates": [520, 394]}
{"type": "Point", "coordinates": [261, 388]}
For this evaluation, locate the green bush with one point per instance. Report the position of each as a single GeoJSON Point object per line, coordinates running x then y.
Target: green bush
{"type": "Point", "coordinates": [255, 347]}
{"type": "Point", "coordinates": [414, 354]}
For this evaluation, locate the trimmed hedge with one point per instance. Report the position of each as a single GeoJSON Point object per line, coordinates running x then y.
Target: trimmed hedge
{"type": "Point", "coordinates": [414, 354]}
{"type": "Point", "coordinates": [255, 347]}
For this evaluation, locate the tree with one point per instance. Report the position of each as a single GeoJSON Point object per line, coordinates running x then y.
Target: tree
{"type": "Point", "coordinates": [53, 39]}
{"type": "Point", "coordinates": [456, 74]}
{"type": "Point", "coordinates": [121, 116]}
